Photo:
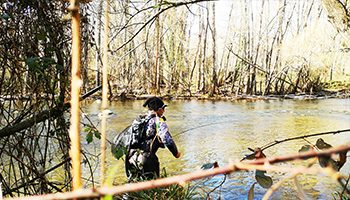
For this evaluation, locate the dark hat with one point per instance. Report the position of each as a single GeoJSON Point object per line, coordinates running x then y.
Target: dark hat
{"type": "Point", "coordinates": [154, 103]}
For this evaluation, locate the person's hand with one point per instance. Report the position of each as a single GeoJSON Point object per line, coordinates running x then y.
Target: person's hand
{"type": "Point", "coordinates": [178, 154]}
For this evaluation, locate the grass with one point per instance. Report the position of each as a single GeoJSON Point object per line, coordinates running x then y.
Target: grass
{"type": "Point", "coordinates": [173, 192]}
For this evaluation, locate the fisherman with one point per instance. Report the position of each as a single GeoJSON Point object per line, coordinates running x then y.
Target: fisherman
{"type": "Point", "coordinates": [143, 163]}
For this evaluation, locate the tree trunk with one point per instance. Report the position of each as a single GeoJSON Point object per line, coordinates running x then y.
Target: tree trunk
{"type": "Point", "coordinates": [157, 53]}
{"type": "Point", "coordinates": [213, 32]}
{"type": "Point", "coordinates": [247, 49]}
{"type": "Point", "coordinates": [200, 57]}
{"type": "Point", "coordinates": [205, 53]}
{"type": "Point", "coordinates": [279, 36]}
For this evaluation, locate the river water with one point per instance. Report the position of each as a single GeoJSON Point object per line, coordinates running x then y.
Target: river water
{"type": "Point", "coordinates": [221, 131]}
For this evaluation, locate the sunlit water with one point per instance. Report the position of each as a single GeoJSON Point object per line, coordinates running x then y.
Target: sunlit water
{"type": "Point", "coordinates": [208, 131]}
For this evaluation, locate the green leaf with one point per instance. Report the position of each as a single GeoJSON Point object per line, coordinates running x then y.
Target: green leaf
{"type": "Point", "coordinates": [118, 153]}
{"type": "Point", "coordinates": [323, 161]}
{"type": "Point", "coordinates": [326, 161]}
{"type": "Point", "coordinates": [322, 144]}
{"type": "Point", "coordinates": [305, 148]}
{"type": "Point", "coordinates": [108, 197]}
{"type": "Point", "coordinates": [251, 192]}
{"type": "Point", "coordinates": [263, 180]}
{"type": "Point", "coordinates": [89, 137]}
{"type": "Point", "coordinates": [87, 129]}
{"type": "Point", "coordinates": [207, 166]}
{"type": "Point", "coordinates": [97, 134]}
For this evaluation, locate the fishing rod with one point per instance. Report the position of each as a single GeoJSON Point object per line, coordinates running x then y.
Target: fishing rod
{"type": "Point", "coordinates": [201, 126]}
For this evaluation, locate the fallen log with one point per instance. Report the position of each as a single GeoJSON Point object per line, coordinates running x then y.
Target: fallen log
{"type": "Point", "coordinates": [42, 116]}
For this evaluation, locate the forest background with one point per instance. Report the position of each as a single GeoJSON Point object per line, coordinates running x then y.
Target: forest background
{"type": "Point", "coordinates": [174, 49]}
{"type": "Point", "coordinates": [225, 48]}
{"type": "Point", "coordinates": [194, 49]}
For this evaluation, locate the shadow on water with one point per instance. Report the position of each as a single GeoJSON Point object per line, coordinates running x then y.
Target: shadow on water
{"type": "Point", "coordinates": [208, 131]}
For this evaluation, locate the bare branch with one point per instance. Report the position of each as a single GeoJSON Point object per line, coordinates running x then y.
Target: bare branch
{"type": "Point", "coordinates": [297, 138]}
{"type": "Point", "coordinates": [256, 66]}
{"type": "Point", "coordinates": [170, 5]}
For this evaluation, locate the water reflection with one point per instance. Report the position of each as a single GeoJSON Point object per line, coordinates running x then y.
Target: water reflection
{"type": "Point", "coordinates": [221, 131]}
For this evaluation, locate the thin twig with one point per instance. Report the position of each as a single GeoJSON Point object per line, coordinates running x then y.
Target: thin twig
{"type": "Point", "coordinates": [222, 182]}
{"type": "Point", "coordinates": [152, 19]}
{"type": "Point", "coordinates": [304, 136]}
{"type": "Point", "coordinates": [201, 126]}
{"type": "Point", "coordinates": [296, 138]}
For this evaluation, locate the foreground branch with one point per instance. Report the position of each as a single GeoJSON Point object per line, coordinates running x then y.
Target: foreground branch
{"type": "Point", "coordinates": [76, 82]}
{"type": "Point", "coordinates": [185, 178]}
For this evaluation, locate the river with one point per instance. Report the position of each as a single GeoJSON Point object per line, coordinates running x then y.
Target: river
{"type": "Point", "coordinates": [221, 131]}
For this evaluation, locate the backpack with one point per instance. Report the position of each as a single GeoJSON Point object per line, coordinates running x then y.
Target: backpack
{"type": "Point", "coordinates": [131, 137]}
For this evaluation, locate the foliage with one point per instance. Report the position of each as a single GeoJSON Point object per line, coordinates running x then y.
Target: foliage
{"type": "Point", "coordinates": [91, 131]}
{"type": "Point", "coordinates": [263, 180]}
{"type": "Point", "coordinates": [326, 161]}
{"type": "Point", "coordinates": [170, 192]}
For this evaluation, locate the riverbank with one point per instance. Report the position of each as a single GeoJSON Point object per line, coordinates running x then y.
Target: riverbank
{"type": "Point", "coordinates": [325, 94]}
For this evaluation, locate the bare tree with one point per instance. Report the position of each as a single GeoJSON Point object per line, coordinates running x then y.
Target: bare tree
{"type": "Point", "coordinates": [214, 67]}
